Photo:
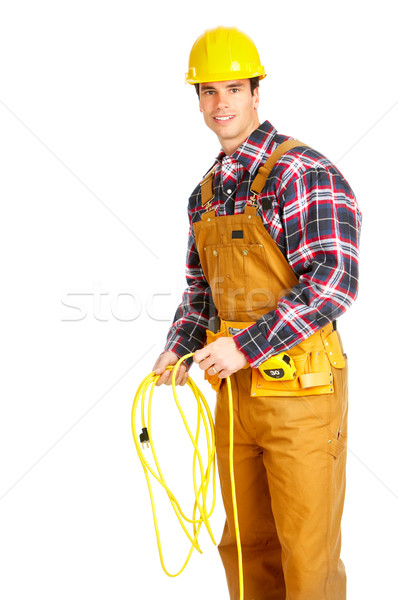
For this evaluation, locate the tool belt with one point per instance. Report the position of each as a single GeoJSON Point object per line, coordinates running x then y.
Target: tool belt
{"type": "Point", "coordinates": [315, 359]}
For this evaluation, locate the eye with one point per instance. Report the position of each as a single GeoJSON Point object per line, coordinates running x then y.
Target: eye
{"type": "Point", "coordinates": [233, 90]}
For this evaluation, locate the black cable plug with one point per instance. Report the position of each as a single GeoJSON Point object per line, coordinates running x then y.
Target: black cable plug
{"type": "Point", "coordinates": [144, 438]}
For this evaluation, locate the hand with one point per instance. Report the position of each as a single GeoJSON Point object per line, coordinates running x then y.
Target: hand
{"type": "Point", "coordinates": [222, 355]}
{"type": "Point", "coordinates": [160, 368]}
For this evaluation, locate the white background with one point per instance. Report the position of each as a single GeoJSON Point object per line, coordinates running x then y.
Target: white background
{"type": "Point", "coordinates": [101, 142]}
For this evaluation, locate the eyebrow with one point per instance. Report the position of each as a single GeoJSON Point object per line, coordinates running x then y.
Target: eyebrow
{"type": "Point", "coordinates": [234, 84]}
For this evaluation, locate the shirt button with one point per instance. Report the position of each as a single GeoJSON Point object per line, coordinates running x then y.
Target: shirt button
{"type": "Point", "coordinates": [229, 191]}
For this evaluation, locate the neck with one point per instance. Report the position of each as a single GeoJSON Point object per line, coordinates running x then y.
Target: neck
{"type": "Point", "coordinates": [230, 146]}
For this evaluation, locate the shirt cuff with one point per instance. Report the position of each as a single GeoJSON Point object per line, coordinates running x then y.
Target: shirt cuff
{"type": "Point", "coordinates": [182, 345]}
{"type": "Point", "coordinates": [252, 343]}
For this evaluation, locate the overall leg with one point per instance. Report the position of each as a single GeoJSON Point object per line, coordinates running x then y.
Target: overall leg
{"type": "Point", "coordinates": [261, 549]}
{"type": "Point", "coordinates": [305, 455]}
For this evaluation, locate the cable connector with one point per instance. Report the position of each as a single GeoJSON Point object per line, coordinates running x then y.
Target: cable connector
{"type": "Point", "coordinates": [144, 438]}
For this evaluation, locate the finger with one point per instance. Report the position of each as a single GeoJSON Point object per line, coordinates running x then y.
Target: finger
{"type": "Point", "coordinates": [164, 378]}
{"type": "Point", "coordinates": [185, 379]}
{"type": "Point", "coordinates": [180, 375]}
{"type": "Point", "coordinates": [207, 363]}
{"type": "Point", "coordinates": [201, 354]}
{"type": "Point", "coordinates": [224, 373]}
{"type": "Point", "coordinates": [177, 376]}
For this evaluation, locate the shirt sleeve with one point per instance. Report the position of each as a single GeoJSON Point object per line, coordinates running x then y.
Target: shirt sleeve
{"type": "Point", "coordinates": [188, 332]}
{"type": "Point", "coordinates": [321, 221]}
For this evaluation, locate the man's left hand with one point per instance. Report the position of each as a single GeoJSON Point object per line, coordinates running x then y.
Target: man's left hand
{"type": "Point", "coordinates": [221, 356]}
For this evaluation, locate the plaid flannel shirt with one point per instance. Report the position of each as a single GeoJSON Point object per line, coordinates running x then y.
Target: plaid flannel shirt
{"type": "Point", "coordinates": [315, 222]}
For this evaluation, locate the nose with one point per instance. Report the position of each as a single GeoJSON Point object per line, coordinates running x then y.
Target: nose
{"type": "Point", "coordinates": [222, 100]}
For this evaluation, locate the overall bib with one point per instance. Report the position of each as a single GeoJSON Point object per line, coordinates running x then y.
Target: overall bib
{"type": "Point", "coordinates": [289, 436]}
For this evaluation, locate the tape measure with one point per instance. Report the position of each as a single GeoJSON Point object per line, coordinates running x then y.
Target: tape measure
{"type": "Point", "coordinates": [278, 368]}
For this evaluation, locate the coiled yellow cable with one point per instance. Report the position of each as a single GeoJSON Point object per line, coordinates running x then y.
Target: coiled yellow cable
{"type": "Point", "coordinates": [207, 474]}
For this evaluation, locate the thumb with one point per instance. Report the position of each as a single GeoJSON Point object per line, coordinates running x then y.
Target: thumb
{"type": "Point", "coordinates": [164, 360]}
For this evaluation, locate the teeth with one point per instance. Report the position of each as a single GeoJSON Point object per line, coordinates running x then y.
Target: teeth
{"type": "Point", "coordinates": [223, 118]}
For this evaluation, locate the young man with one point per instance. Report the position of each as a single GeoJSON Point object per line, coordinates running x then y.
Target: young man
{"type": "Point", "coordinates": [275, 249]}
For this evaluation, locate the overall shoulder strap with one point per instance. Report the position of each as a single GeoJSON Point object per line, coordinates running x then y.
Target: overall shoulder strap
{"type": "Point", "coordinates": [258, 183]}
{"type": "Point", "coordinates": [207, 186]}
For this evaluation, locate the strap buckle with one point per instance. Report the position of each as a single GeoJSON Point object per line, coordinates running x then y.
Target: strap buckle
{"type": "Point", "coordinates": [208, 206]}
{"type": "Point", "coordinates": [253, 200]}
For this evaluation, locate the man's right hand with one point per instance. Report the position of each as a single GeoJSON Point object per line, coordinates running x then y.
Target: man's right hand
{"type": "Point", "coordinates": [160, 368]}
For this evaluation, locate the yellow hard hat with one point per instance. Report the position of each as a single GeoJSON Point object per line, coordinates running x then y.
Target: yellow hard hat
{"type": "Point", "coordinates": [222, 54]}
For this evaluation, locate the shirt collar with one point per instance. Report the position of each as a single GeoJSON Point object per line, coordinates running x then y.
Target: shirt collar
{"type": "Point", "coordinates": [254, 151]}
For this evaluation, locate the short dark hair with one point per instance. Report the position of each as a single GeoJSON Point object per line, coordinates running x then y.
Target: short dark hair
{"type": "Point", "coordinates": [254, 83]}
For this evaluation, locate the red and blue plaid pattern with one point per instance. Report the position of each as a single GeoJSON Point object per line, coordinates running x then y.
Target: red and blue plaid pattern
{"type": "Point", "coordinates": [231, 170]}
{"type": "Point", "coordinates": [315, 221]}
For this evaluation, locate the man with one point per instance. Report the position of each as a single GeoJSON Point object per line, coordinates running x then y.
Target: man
{"type": "Point", "coordinates": [275, 250]}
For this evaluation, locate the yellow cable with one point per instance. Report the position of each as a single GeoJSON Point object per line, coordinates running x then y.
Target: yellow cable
{"type": "Point", "coordinates": [233, 489]}
{"type": "Point", "coordinates": [207, 473]}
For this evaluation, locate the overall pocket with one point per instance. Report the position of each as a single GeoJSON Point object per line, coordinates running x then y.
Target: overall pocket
{"type": "Point", "coordinates": [238, 276]}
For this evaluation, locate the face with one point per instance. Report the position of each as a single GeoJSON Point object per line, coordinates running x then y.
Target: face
{"type": "Point", "coordinates": [230, 110]}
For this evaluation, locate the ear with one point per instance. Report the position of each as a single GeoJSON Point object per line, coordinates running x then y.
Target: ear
{"type": "Point", "coordinates": [256, 97]}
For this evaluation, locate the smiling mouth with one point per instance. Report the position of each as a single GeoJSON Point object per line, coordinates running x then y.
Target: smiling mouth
{"type": "Point", "coordinates": [223, 119]}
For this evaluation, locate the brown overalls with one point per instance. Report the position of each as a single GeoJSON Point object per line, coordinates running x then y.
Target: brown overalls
{"type": "Point", "coordinates": [289, 436]}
